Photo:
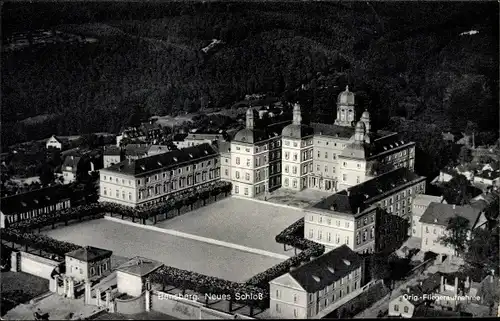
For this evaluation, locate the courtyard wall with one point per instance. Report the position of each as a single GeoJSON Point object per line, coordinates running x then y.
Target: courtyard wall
{"type": "Point", "coordinates": [32, 264]}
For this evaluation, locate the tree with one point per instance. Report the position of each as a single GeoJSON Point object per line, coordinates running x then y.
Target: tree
{"type": "Point", "coordinates": [379, 266]}
{"type": "Point", "coordinates": [483, 251]}
{"type": "Point", "coordinates": [46, 174]}
{"type": "Point", "coordinates": [456, 190]}
{"type": "Point", "coordinates": [456, 234]}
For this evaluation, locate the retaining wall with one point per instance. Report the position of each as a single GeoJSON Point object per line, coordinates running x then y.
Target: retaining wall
{"type": "Point", "coordinates": [131, 306]}
{"type": "Point", "coordinates": [33, 264]}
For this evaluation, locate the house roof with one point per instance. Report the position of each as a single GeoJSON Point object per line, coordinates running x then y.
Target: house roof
{"type": "Point", "coordinates": [157, 149]}
{"type": "Point", "coordinates": [364, 194]}
{"type": "Point", "coordinates": [384, 141]}
{"type": "Point", "coordinates": [256, 135]}
{"type": "Point", "coordinates": [424, 199]}
{"type": "Point", "coordinates": [168, 160]}
{"type": "Point", "coordinates": [39, 198]}
{"type": "Point", "coordinates": [140, 266]}
{"type": "Point", "coordinates": [489, 174]}
{"type": "Point", "coordinates": [326, 269]}
{"type": "Point", "coordinates": [89, 254]}
{"type": "Point", "coordinates": [71, 161]}
{"type": "Point", "coordinates": [332, 130]}
{"type": "Point", "coordinates": [56, 138]}
{"type": "Point", "coordinates": [112, 151]}
{"type": "Point", "coordinates": [179, 137]}
{"type": "Point", "coordinates": [439, 214]}
{"type": "Point", "coordinates": [136, 149]}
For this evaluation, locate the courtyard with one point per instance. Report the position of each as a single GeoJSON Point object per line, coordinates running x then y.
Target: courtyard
{"type": "Point", "coordinates": [240, 221]}
{"type": "Point", "coordinates": [183, 253]}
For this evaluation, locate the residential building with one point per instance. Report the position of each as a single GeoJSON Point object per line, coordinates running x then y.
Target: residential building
{"type": "Point", "coordinates": [407, 303]}
{"type": "Point", "coordinates": [420, 204]}
{"type": "Point", "coordinates": [255, 153]}
{"type": "Point", "coordinates": [31, 204]}
{"type": "Point", "coordinates": [350, 216]}
{"type": "Point", "coordinates": [70, 167]}
{"type": "Point", "coordinates": [54, 142]}
{"type": "Point", "coordinates": [88, 263]}
{"type": "Point", "coordinates": [136, 151]}
{"type": "Point", "coordinates": [150, 132]}
{"type": "Point", "coordinates": [196, 138]}
{"type": "Point", "coordinates": [323, 283]}
{"type": "Point", "coordinates": [435, 220]}
{"type": "Point", "coordinates": [131, 277]}
{"type": "Point", "coordinates": [488, 177]}
{"type": "Point", "coordinates": [153, 179]}
{"type": "Point", "coordinates": [112, 155]}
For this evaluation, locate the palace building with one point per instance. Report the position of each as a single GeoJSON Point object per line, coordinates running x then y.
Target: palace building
{"type": "Point", "coordinates": [153, 179]}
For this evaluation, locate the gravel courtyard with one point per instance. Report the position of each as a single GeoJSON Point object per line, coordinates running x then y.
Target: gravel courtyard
{"type": "Point", "coordinates": [239, 221]}
{"type": "Point", "coordinates": [130, 241]}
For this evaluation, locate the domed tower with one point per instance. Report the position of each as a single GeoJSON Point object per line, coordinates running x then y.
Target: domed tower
{"type": "Point", "coordinates": [297, 117]}
{"type": "Point", "coordinates": [250, 121]}
{"type": "Point", "coordinates": [359, 133]}
{"type": "Point", "coordinates": [365, 118]}
{"type": "Point", "coordinates": [346, 112]}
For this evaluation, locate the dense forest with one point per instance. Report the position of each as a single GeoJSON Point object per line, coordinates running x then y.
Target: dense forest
{"type": "Point", "coordinates": [402, 59]}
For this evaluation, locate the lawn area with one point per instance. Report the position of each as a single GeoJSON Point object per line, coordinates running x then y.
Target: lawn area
{"type": "Point", "coordinates": [239, 221]}
{"type": "Point", "coordinates": [19, 287]}
{"type": "Point", "coordinates": [129, 241]}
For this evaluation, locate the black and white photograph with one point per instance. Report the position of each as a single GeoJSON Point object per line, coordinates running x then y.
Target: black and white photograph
{"type": "Point", "coordinates": [212, 159]}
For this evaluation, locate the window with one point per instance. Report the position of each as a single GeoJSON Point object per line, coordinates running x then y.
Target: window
{"type": "Point", "coordinates": [295, 314]}
{"type": "Point", "coordinates": [237, 189]}
{"type": "Point", "coordinates": [248, 162]}
{"type": "Point", "coordinates": [295, 169]}
{"type": "Point", "coordinates": [247, 176]}
{"type": "Point", "coordinates": [347, 224]}
{"type": "Point", "coordinates": [286, 168]}
{"type": "Point", "coordinates": [329, 237]}
{"type": "Point", "coordinates": [329, 221]}
{"type": "Point", "coordinates": [345, 164]}
{"type": "Point", "coordinates": [287, 155]}
{"type": "Point", "coordinates": [295, 298]}
{"type": "Point", "coordinates": [286, 181]}
{"type": "Point", "coordinates": [321, 219]}
{"type": "Point", "coordinates": [372, 232]}
{"type": "Point", "coordinates": [326, 154]}
{"type": "Point", "coordinates": [426, 230]}
{"type": "Point", "coordinates": [237, 160]}
{"type": "Point", "coordinates": [226, 172]}
{"type": "Point", "coordinates": [320, 235]}
{"type": "Point", "coordinates": [334, 156]}
{"type": "Point", "coordinates": [357, 179]}
{"type": "Point", "coordinates": [317, 168]}
{"type": "Point", "coordinates": [357, 239]}
{"type": "Point", "coordinates": [237, 174]}
{"type": "Point", "coordinates": [277, 294]}
{"type": "Point", "coordinates": [396, 307]}
{"type": "Point", "coordinates": [344, 177]}
{"type": "Point", "coordinates": [434, 232]}
{"type": "Point", "coordinates": [278, 309]}
{"type": "Point", "coordinates": [294, 183]}
{"type": "Point", "coordinates": [246, 191]}
{"type": "Point", "coordinates": [104, 191]}
{"type": "Point", "coordinates": [405, 309]}
{"type": "Point", "coordinates": [311, 233]}
{"type": "Point", "coordinates": [319, 154]}
{"type": "Point", "coordinates": [326, 169]}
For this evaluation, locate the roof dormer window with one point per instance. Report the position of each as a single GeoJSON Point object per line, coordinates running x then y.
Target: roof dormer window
{"type": "Point", "coordinates": [346, 262]}
{"type": "Point", "coordinates": [191, 155]}
{"type": "Point", "coordinates": [317, 279]}
{"type": "Point", "coordinates": [143, 167]}
{"type": "Point", "coordinates": [175, 159]}
{"type": "Point", "coordinates": [332, 271]}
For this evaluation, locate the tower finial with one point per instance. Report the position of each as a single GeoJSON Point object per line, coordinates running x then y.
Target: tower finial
{"type": "Point", "coordinates": [347, 88]}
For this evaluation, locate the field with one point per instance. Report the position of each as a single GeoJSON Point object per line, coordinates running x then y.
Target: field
{"type": "Point", "coordinates": [239, 221]}
{"type": "Point", "coordinates": [129, 241]}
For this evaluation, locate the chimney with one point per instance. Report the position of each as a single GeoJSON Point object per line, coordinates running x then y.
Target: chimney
{"type": "Point", "coordinates": [312, 258]}
{"type": "Point", "coordinates": [359, 210]}
{"type": "Point", "coordinates": [292, 268]}
{"type": "Point", "coordinates": [303, 262]}
{"type": "Point", "coordinates": [454, 206]}
{"type": "Point", "coordinates": [348, 192]}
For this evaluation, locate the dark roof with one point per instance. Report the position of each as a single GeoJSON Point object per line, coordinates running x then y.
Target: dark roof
{"type": "Point", "coordinates": [111, 150]}
{"type": "Point", "coordinates": [223, 146]}
{"type": "Point", "coordinates": [139, 266]}
{"type": "Point", "coordinates": [439, 214]}
{"type": "Point", "coordinates": [326, 269]}
{"type": "Point", "coordinates": [71, 161]}
{"type": "Point", "coordinates": [89, 253]}
{"type": "Point", "coordinates": [136, 149]}
{"type": "Point", "coordinates": [297, 131]}
{"type": "Point", "coordinates": [39, 198]}
{"type": "Point", "coordinates": [384, 141]}
{"type": "Point", "coordinates": [365, 194]}
{"type": "Point", "coordinates": [488, 174]}
{"type": "Point", "coordinates": [203, 136]}
{"type": "Point", "coordinates": [179, 137]}
{"type": "Point", "coordinates": [257, 134]}
{"type": "Point", "coordinates": [332, 130]}
{"type": "Point", "coordinates": [171, 159]}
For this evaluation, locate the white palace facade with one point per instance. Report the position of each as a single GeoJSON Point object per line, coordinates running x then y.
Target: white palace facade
{"type": "Point", "coordinates": [328, 157]}
{"type": "Point", "coordinates": [263, 157]}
